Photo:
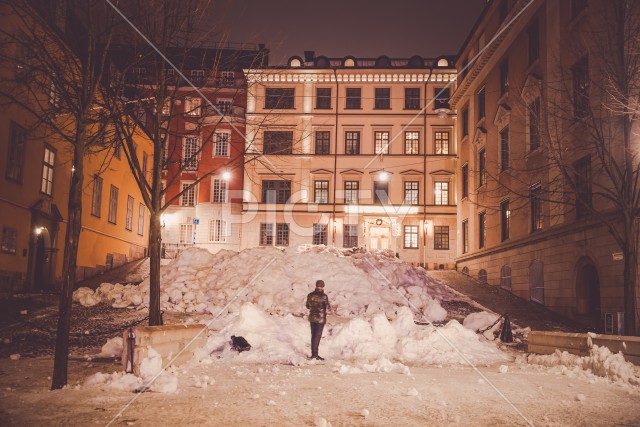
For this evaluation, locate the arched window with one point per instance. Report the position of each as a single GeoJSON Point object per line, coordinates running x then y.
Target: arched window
{"type": "Point", "coordinates": [505, 278]}
{"type": "Point", "coordinates": [482, 275]}
{"type": "Point", "coordinates": [465, 270]}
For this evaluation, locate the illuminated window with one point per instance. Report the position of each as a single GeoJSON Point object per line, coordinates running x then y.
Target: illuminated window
{"type": "Point", "coordinates": [411, 237]}
{"type": "Point", "coordinates": [411, 192]}
{"type": "Point", "coordinates": [351, 190]}
{"type": "Point", "coordinates": [381, 139]}
{"type": "Point", "coordinates": [190, 147]}
{"type": "Point", "coordinates": [218, 190]}
{"type": "Point", "coordinates": [411, 142]}
{"type": "Point", "coordinates": [192, 106]}
{"type": "Point", "coordinates": [352, 142]}
{"type": "Point", "coordinates": [48, 165]}
{"type": "Point", "coordinates": [441, 193]}
{"type": "Point", "coordinates": [441, 141]}
{"type": "Point", "coordinates": [505, 219]}
{"type": "Point", "coordinates": [321, 192]}
{"type": "Point", "coordinates": [222, 144]}
{"type": "Point", "coordinates": [188, 197]}
{"type": "Point", "coordinates": [217, 230]}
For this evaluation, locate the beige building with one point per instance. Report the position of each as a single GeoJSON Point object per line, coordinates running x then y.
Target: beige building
{"type": "Point", "coordinates": [523, 86]}
{"type": "Point", "coordinates": [352, 152]}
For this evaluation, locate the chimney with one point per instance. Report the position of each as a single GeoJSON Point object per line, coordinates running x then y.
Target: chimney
{"type": "Point", "coordinates": [309, 55]}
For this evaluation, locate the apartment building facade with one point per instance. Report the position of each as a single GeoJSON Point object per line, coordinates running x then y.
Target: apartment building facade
{"type": "Point", "coordinates": [524, 77]}
{"type": "Point", "coordinates": [37, 166]}
{"type": "Point", "coordinates": [203, 163]}
{"type": "Point", "coordinates": [354, 153]}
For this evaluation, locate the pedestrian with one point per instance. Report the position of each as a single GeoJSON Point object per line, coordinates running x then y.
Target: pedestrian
{"type": "Point", "coordinates": [318, 304]}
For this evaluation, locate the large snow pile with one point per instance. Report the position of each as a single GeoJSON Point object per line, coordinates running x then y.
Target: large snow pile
{"type": "Point", "coordinates": [285, 339]}
{"type": "Point", "coordinates": [358, 283]}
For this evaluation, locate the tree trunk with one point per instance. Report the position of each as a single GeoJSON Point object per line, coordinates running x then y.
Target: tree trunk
{"type": "Point", "coordinates": [155, 242]}
{"type": "Point", "coordinates": [630, 280]}
{"type": "Point", "coordinates": [61, 357]}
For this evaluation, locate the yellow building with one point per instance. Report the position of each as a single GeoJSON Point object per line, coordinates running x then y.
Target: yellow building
{"type": "Point", "coordinates": [35, 172]}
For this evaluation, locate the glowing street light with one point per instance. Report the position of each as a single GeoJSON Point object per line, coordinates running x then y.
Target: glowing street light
{"type": "Point", "coordinates": [226, 176]}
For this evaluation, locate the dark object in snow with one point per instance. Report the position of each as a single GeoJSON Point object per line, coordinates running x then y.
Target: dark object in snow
{"type": "Point", "coordinates": [505, 334]}
{"type": "Point", "coordinates": [239, 344]}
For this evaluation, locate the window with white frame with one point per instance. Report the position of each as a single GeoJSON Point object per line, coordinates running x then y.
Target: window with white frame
{"type": "Point", "coordinates": [227, 78]}
{"type": "Point", "coordinates": [410, 236]}
{"type": "Point", "coordinates": [48, 165]}
{"type": "Point", "coordinates": [113, 204]}
{"type": "Point", "coordinates": [411, 192]}
{"type": "Point", "coordinates": [9, 243]}
{"type": "Point", "coordinates": [141, 212]}
{"type": "Point", "coordinates": [96, 199]}
{"type": "Point", "coordinates": [218, 190]}
{"type": "Point", "coordinates": [128, 223]}
{"type": "Point", "coordinates": [321, 191]}
{"type": "Point", "coordinates": [351, 192]}
{"type": "Point", "coordinates": [222, 144]}
{"type": "Point", "coordinates": [282, 234]}
{"type": "Point", "coordinates": [188, 197]}
{"type": "Point", "coordinates": [350, 236]}
{"type": "Point", "coordinates": [381, 142]}
{"type": "Point", "coordinates": [166, 107]}
{"type": "Point", "coordinates": [197, 77]}
{"type": "Point", "coordinates": [441, 193]}
{"type": "Point", "coordinates": [266, 234]}
{"type": "Point", "coordinates": [192, 106]}
{"type": "Point", "coordinates": [411, 142]}
{"type": "Point", "coordinates": [217, 230]}
{"type": "Point", "coordinates": [441, 140]}
{"type": "Point", "coordinates": [224, 106]}
{"type": "Point", "coordinates": [186, 234]}
{"type": "Point", "coordinates": [320, 234]}
{"type": "Point", "coordinates": [190, 148]}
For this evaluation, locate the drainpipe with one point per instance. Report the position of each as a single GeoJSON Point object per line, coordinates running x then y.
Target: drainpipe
{"type": "Point", "coordinates": [424, 156]}
{"type": "Point", "coordinates": [335, 163]}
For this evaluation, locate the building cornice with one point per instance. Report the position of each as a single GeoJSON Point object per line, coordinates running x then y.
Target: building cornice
{"type": "Point", "coordinates": [359, 76]}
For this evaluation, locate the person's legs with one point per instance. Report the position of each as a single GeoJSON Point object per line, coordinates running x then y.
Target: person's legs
{"type": "Point", "coordinates": [316, 334]}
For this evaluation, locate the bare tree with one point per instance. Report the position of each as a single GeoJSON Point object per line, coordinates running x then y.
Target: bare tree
{"type": "Point", "coordinates": [154, 99]}
{"type": "Point", "coordinates": [56, 64]}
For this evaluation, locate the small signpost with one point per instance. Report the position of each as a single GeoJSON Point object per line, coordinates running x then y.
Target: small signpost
{"type": "Point", "coordinates": [617, 256]}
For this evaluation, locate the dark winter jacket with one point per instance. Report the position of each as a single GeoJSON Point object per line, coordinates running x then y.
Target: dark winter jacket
{"type": "Point", "coordinates": [318, 303]}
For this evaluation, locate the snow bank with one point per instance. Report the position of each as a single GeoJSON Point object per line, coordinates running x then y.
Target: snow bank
{"type": "Point", "coordinates": [285, 339]}
{"type": "Point", "coordinates": [600, 362]}
{"type": "Point", "coordinates": [112, 348]}
{"type": "Point", "coordinates": [358, 283]}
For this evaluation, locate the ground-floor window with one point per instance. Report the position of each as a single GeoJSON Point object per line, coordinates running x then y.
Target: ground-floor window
{"type": "Point", "coordinates": [441, 237]}
{"type": "Point", "coordinates": [411, 237]}
{"type": "Point", "coordinates": [266, 234]}
{"type": "Point", "coordinates": [9, 240]}
{"type": "Point", "coordinates": [350, 236]}
{"type": "Point", "coordinates": [186, 234]}
{"type": "Point", "coordinates": [282, 234]}
{"type": "Point", "coordinates": [319, 234]}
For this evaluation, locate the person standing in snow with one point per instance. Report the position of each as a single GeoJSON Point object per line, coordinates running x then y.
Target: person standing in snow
{"type": "Point", "coordinates": [318, 304]}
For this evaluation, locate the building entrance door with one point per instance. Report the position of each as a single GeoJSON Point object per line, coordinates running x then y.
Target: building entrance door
{"type": "Point", "coordinates": [379, 237]}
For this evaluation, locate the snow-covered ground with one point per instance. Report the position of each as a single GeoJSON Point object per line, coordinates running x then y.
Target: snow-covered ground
{"type": "Point", "coordinates": [381, 369]}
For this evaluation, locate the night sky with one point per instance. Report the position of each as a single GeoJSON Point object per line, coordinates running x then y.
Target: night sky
{"type": "Point", "coordinates": [336, 28]}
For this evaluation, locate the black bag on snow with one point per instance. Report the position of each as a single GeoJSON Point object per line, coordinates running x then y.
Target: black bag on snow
{"type": "Point", "coordinates": [239, 344]}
